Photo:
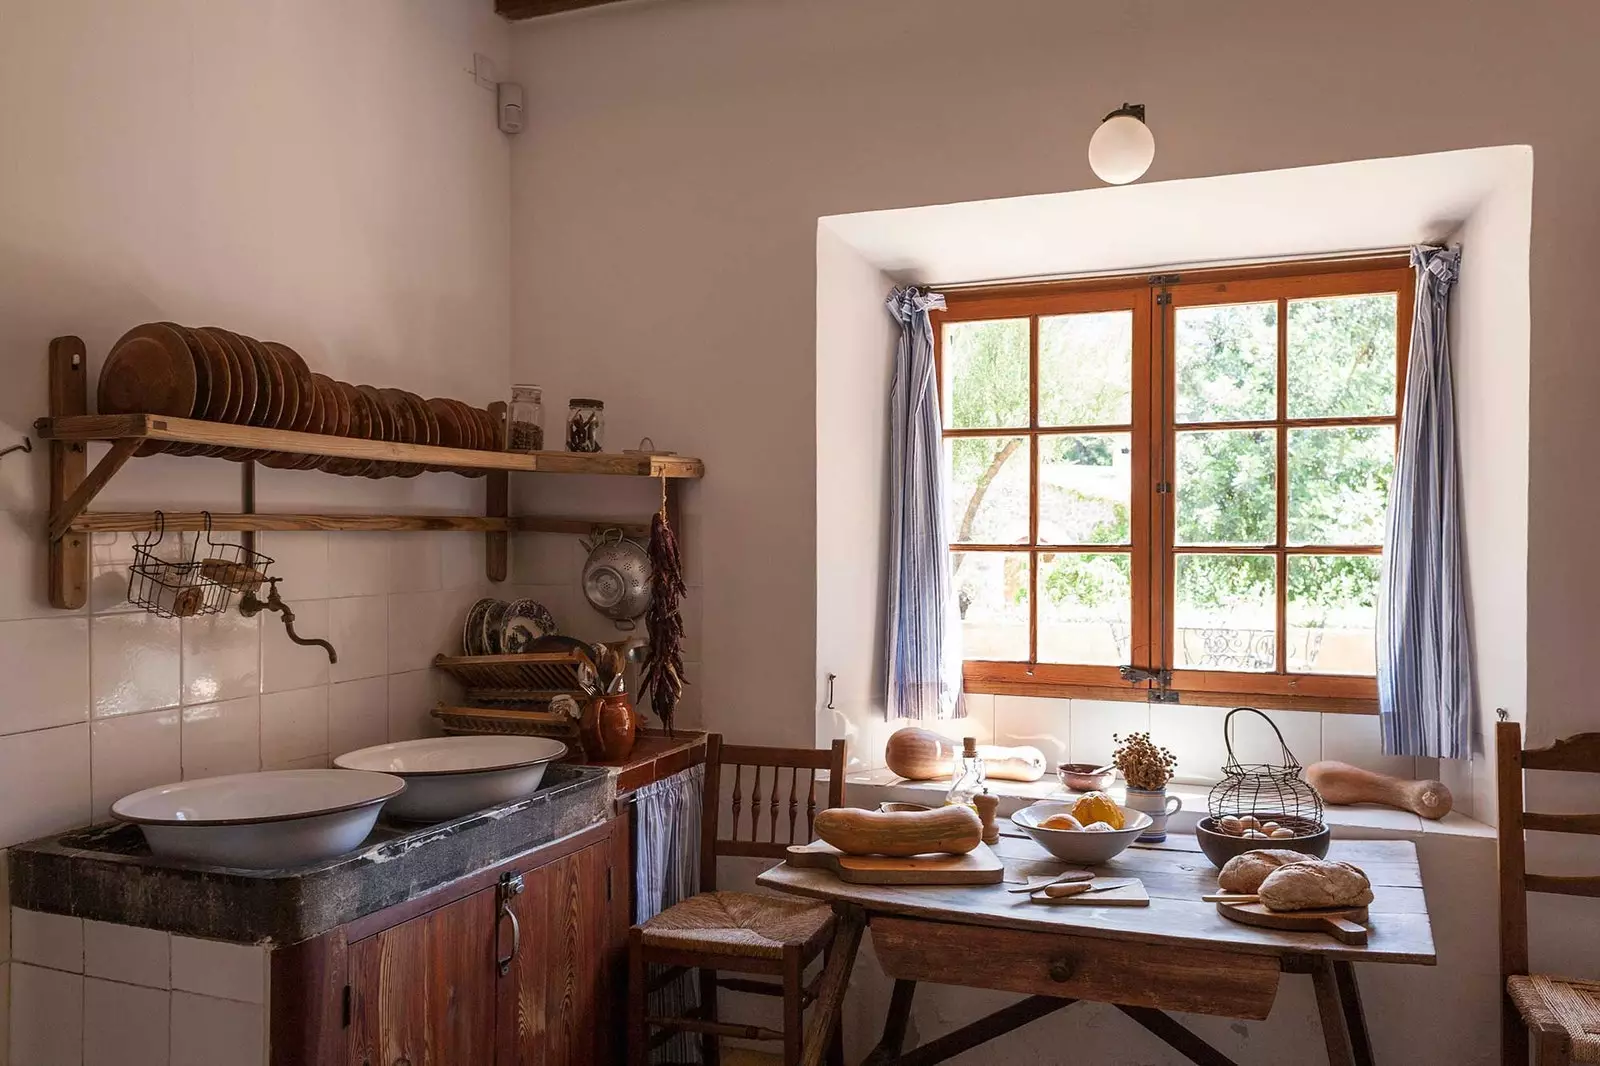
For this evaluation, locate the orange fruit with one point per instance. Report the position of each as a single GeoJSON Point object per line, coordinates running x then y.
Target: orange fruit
{"type": "Point", "coordinates": [1097, 807]}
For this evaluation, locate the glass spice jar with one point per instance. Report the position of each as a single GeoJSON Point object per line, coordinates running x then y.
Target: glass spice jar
{"type": "Point", "coordinates": [586, 425]}
{"type": "Point", "coordinates": [525, 419]}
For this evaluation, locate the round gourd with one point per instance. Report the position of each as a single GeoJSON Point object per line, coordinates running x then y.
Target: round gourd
{"type": "Point", "coordinates": [1097, 807]}
{"type": "Point", "coordinates": [955, 829]}
{"type": "Point", "coordinates": [923, 755]}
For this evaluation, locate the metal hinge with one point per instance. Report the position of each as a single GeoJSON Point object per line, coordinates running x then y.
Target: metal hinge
{"type": "Point", "coordinates": [1165, 279]}
{"type": "Point", "coordinates": [1164, 695]}
{"type": "Point", "coordinates": [1163, 486]}
{"type": "Point", "coordinates": [345, 1007]}
{"type": "Point", "coordinates": [1138, 675]}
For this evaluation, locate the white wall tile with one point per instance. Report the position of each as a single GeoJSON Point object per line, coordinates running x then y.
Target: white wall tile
{"type": "Point", "coordinates": [127, 953]}
{"type": "Point", "coordinates": [294, 726]}
{"type": "Point", "coordinates": [418, 629]}
{"type": "Point", "coordinates": [45, 665]}
{"type": "Point", "coordinates": [207, 1031]}
{"type": "Point", "coordinates": [358, 564]}
{"type": "Point", "coordinates": [412, 697]}
{"type": "Point", "coordinates": [358, 627]}
{"type": "Point", "coordinates": [301, 560]}
{"type": "Point", "coordinates": [358, 714]}
{"type": "Point", "coordinates": [221, 657]}
{"type": "Point", "coordinates": [1354, 738]}
{"type": "Point", "coordinates": [217, 968]}
{"type": "Point", "coordinates": [1096, 722]}
{"type": "Point", "coordinates": [51, 768]}
{"type": "Point", "coordinates": [1194, 735]}
{"type": "Point", "coordinates": [1045, 724]}
{"type": "Point", "coordinates": [546, 558]}
{"type": "Point", "coordinates": [43, 939]}
{"type": "Point", "coordinates": [108, 588]}
{"type": "Point", "coordinates": [1302, 733]}
{"type": "Point", "coordinates": [125, 1025]}
{"type": "Point", "coordinates": [135, 662]}
{"type": "Point", "coordinates": [286, 665]}
{"type": "Point", "coordinates": [462, 560]}
{"type": "Point", "coordinates": [131, 752]}
{"type": "Point", "coordinates": [414, 562]}
{"type": "Point", "coordinates": [222, 738]}
{"type": "Point", "coordinates": [46, 1017]}
{"type": "Point", "coordinates": [22, 556]}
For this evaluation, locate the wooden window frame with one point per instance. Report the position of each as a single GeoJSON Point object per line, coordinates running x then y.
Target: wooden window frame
{"type": "Point", "coordinates": [1154, 299]}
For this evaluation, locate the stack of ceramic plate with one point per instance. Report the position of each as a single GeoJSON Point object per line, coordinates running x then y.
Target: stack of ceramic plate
{"type": "Point", "coordinates": [499, 627]}
{"type": "Point", "coordinates": [215, 375]}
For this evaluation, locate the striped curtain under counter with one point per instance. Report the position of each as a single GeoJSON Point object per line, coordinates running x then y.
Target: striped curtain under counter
{"type": "Point", "coordinates": [666, 837]}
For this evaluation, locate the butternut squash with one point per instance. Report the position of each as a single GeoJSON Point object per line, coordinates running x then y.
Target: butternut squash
{"type": "Point", "coordinates": [1342, 783]}
{"type": "Point", "coordinates": [923, 755]}
{"type": "Point", "coordinates": [955, 829]}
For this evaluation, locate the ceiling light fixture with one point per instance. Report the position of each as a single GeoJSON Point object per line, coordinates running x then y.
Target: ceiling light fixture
{"type": "Point", "coordinates": [1122, 148]}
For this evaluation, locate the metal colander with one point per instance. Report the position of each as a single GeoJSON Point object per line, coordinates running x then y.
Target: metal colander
{"type": "Point", "coordinates": [616, 578]}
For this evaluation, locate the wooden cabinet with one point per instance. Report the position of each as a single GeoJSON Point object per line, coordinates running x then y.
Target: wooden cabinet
{"type": "Point", "coordinates": [424, 991]}
{"type": "Point", "coordinates": [420, 984]}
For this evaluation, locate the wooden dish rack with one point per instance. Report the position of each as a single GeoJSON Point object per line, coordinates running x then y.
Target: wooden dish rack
{"type": "Point", "coordinates": [512, 693]}
{"type": "Point", "coordinates": [69, 428]}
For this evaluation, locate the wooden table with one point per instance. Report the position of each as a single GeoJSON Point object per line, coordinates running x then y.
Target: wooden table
{"type": "Point", "coordinates": [1176, 954]}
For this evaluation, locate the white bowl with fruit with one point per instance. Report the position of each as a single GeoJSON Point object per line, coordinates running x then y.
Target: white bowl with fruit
{"type": "Point", "coordinates": [1089, 830]}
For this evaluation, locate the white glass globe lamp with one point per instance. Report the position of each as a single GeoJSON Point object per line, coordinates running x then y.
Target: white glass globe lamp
{"type": "Point", "coordinates": [1122, 149]}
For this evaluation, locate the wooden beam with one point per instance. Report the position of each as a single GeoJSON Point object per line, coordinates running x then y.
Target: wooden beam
{"type": "Point", "coordinates": [61, 520]}
{"type": "Point", "coordinates": [195, 521]}
{"type": "Point", "coordinates": [579, 527]}
{"type": "Point", "coordinates": [497, 544]}
{"type": "Point", "coordinates": [68, 561]}
{"type": "Point", "coordinates": [517, 10]}
{"type": "Point", "coordinates": [254, 438]}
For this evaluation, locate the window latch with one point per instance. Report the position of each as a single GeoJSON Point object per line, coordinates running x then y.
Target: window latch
{"type": "Point", "coordinates": [1138, 675]}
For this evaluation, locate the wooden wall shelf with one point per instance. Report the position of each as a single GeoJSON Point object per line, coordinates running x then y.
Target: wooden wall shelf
{"type": "Point", "coordinates": [73, 486]}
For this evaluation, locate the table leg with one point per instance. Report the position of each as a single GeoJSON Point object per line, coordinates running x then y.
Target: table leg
{"type": "Point", "coordinates": [1331, 1008]}
{"type": "Point", "coordinates": [1176, 1036]}
{"type": "Point", "coordinates": [1355, 1019]}
{"type": "Point", "coordinates": [894, 1024]}
{"type": "Point", "coordinates": [852, 921]}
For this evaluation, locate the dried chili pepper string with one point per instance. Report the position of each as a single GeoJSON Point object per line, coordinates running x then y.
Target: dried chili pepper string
{"type": "Point", "coordinates": [663, 673]}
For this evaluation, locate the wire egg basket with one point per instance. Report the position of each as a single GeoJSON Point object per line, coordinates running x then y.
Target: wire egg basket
{"type": "Point", "coordinates": [1264, 790]}
{"type": "Point", "coordinates": [190, 584]}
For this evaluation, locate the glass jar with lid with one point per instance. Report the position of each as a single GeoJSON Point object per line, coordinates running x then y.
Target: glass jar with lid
{"type": "Point", "coordinates": [586, 425]}
{"type": "Point", "coordinates": [525, 419]}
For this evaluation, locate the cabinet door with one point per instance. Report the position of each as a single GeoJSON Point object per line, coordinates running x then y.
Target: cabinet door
{"type": "Point", "coordinates": [555, 997]}
{"type": "Point", "coordinates": [422, 993]}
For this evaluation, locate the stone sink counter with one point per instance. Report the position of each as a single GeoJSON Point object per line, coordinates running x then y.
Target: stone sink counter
{"type": "Point", "coordinates": [107, 873]}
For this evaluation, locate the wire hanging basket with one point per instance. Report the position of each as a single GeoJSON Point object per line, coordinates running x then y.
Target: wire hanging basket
{"type": "Point", "coordinates": [192, 584]}
{"type": "Point", "coordinates": [1267, 791]}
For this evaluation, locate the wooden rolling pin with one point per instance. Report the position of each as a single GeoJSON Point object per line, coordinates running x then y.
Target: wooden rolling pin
{"type": "Point", "coordinates": [1342, 783]}
{"type": "Point", "coordinates": [923, 755]}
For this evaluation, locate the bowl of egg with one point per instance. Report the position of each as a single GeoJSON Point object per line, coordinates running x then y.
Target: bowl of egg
{"type": "Point", "coordinates": [1223, 838]}
{"type": "Point", "coordinates": [1087, 832]}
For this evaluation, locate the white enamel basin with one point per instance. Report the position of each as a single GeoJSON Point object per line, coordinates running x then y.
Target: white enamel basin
{"type": "Point", "coordinates": [262, 821]}
{"type": "Point", "coordinates": [447, 777]}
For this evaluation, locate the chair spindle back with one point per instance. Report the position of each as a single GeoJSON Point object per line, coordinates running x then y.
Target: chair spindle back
{"type": "Point", "coordinates": [772, 788]}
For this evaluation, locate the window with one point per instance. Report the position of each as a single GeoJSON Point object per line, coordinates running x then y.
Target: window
{"type": "Point", "coordinates": [1181, 474]}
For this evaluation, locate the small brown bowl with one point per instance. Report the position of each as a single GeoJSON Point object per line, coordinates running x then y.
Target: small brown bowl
{"type": "Point", "coordinates": [1080, 776]}
{"type": "Point", "coordinates": [1219, 847]}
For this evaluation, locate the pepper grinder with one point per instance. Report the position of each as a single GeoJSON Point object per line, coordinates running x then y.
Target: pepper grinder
{"type": "Point", "coordinates": [987, 805]}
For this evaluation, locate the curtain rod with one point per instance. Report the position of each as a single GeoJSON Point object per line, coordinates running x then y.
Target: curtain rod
{"type": "Point", "coordinates": [1172, 268]}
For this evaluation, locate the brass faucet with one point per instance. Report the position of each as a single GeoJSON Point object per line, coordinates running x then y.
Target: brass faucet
{"type": "Point", "coordinates": [251, 605]}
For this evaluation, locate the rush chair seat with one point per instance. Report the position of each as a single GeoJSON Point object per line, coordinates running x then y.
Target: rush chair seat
{"type": "Point", "coordinates": [1560, 1014]}
{"type": "Point", "coordinates": [774, 801]}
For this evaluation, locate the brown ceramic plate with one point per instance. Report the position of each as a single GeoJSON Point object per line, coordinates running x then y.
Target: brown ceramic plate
{"type": "Point", "coordinates": [469, 425]}
{"type": "Point", "coordinates": [149, 371]}
{"type": "Point", "coordinates": [357, 428]}
{"type": "Point", "coordinates": [474, 428]}
{"type": "Point", "coordinates": [405, 427]}
{"type": "Point", "coordinates": [336, 416]}
{"type": "Point", "coordinates": [243, 366]}
{"type": "Point", "coordinates": [302, 382]}
{"type": "Point", "coordinates": [221, 382]}
{"type": "Point", "coordinates": [449, 423]}
{"type": "Point", "coordinates": [218, 348]}
{"type": "Point", "coordinates": [202, 386]}
{"type": "Point", "coordinates": [383, 428]}
{"type": "Point", "coordinates": [270, 374]}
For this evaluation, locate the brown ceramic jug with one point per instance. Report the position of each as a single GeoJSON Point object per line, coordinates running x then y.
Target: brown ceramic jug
{"type": "Point", "coordinates": [607, 727]}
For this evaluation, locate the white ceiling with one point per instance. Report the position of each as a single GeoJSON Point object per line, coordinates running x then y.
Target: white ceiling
{"type": "Point", "coordinates": [1322, 210]}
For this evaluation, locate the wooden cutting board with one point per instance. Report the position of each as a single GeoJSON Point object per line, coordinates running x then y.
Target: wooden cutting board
{"type": "Point", "coordinates": [1341, 923]}
{"type": "Point", "coordinates": [976, 867]}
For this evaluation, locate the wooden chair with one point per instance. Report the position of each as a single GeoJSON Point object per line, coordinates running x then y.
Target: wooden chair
{"type": "Point", "coordinates": [741, 932]}
{"type": "Point", "coordinates": [1562, 1015]}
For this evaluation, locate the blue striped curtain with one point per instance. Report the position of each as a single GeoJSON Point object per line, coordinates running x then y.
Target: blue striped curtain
{"type": "Point", "coordinates": [1424, 654]}
{"type": "Point", "coordinates": [666, 837]}
{"type": "Point", "coordinates": [924, 643]}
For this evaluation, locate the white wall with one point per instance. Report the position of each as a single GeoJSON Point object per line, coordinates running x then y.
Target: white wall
{"type": "Point", "coordinates": [327, 175]}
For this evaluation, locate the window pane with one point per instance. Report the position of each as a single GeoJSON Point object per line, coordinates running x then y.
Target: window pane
{"type": "Point", "coordinates": [1339, 484]}
{"type": "Point", "coordinates": [1227, 487]}
{"type": "Point", "coordinates": [1085, 608]}
{"type": "Point", "coordinates": [986, 374]}
{"type": "Point", "coordinates": [992, 592]}
{"type": "Point", "coordinates": [1341, 356]}
{"type": "Point", "coordinates": [1332, 614]}
{"type": "Point", "coordinates": [987, 478]}
{"type": "Point", "coordinates": [1086, 369]}
{"type": "Point", "coordinates": [1084, 488]}
{"type": "Point", "coordinates": [1226, 614]}
{"type": "Point", "coordinates": [1227, 362]}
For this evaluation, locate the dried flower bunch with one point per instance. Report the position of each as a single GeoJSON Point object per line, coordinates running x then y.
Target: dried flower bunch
{"type": "Point", "coordinates": [1143, 764]}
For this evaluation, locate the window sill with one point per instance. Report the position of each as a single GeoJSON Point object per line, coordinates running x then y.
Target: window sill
{"type": "Point", "coordinates": [868, 788]}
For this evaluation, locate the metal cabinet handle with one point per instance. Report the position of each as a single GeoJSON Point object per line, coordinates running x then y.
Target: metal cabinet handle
{"type": "Point", "coordinates": [1061, 970]}
{"type": "Point", "coordinates": [516, 937]}
{"type": "Point", "coordinates": [511, 886]}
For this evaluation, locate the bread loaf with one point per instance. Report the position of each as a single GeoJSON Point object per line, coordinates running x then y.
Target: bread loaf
{"type": "Point", "coordinates": [1315, 884]}
{"type": "Point", "coordinates": [1244, 873]}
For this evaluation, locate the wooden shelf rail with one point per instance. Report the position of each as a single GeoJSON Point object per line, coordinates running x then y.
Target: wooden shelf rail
{"type": "Point", "coordinates": [73, 486]}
